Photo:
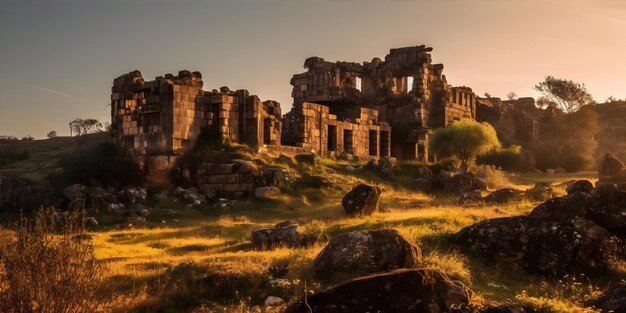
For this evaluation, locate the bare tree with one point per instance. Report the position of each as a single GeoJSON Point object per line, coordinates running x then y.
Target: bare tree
{"type": "Point", "coordinates": [567, 95]}
{"type": "Point", "coordinates": [511, 95]}
{"type": "Point", "coordinates": [81, 126]}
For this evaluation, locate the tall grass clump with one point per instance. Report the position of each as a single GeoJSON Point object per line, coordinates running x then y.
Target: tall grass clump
{"type": "Point", "coordinates": [49, 266]}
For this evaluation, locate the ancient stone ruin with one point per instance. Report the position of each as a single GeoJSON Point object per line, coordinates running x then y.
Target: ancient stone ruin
{"type": "Point", "coordinates": [161, 119]}
{"type": "Point", "coordinates": [382, 108]}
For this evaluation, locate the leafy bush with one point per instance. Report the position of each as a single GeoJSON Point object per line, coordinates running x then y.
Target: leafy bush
{"type": "Point", "coordinates": [464, 140]}
{"type": "Point", "coordinates": [100, 162]}
{"type": "Point", "coordinates": [509, 159]}
{"type": "Point", "coordinates": [50, 267]}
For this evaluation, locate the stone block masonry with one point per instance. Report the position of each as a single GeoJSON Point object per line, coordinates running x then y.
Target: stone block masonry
{"type": "Point", "coordinates": [157, 121]}
{"type": "Point", "coordinates": [372, 109]}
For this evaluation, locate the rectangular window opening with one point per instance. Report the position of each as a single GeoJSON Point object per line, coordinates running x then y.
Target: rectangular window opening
{"type": "Point", "coordinates": [373, 147]}
{"type": "Point", "coordinates": [347, 141]}
{"type": "Point", "coordinates": [332, 138]}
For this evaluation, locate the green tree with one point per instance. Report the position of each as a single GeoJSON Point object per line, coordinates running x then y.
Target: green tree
{"type": "Point", "coordinates": [567, 95]}
{"type": "Point", "coordinates": [464, 140]}
{"type": "Point", "coordinates": [568, 141]}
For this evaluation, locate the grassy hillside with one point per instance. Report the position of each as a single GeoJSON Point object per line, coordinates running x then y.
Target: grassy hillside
{"type": "Point", "coordinates": [41, 156]}
{"type": "Point", "coordinates": [200, 257]}
{"type": "Point", "coordinates": [155, 267]}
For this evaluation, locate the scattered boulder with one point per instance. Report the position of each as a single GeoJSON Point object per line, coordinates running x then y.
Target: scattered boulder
{"type": "Point", "coordinates": [544, 246]}
{"type": "Point", "coordinates": [278, 177]}
{"type": "Point", "coordinates": [361, 200]}
{"type": "Point", "coordinates": [461, 183]}
{"type": "Point", "coordinates": [130, 195]}
{"type": "Point", "coordinates": [274, 301]}
{"type": "Point", "coordinates": [382, 166]}
{"type": "Point", "coordinates": [584, 186]}
{"type": "Point", "coordinates": [540, 192]}
{"type": "Point", "coordinates": [365, 252]}
{"type": "Point", "coordinates": [399, 291]}
{"type": "Point", "coordinates": [266, 192]}
{"type": "Point", "coordinates": [75, 191]}
{"type": "Point", "coordinates": [306, 158]}
{"type": "Point", "coordinates": [613, 299]}
{"type": "Point", "coordinates": [504, 196]}
{"type": "Point", "coordinates": [270, 238]}
{"type": "Point", "coordinates": [286, 159]}
{"type": "Point", "coordinates": [472, 197]}
{"type": "Point", "coordinates": [190, 195]}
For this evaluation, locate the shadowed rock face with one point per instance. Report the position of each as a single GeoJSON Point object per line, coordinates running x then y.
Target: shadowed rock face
{"type": "Point", "coordinates": [365, 252]}
{"type": "Point", "coordinates": [545, 246]}
{"type": "Point", "coordinates": [280, 236]}
{"type": "Point", "coordinates": [614, 299]}
{"type": "Point", "coordinates": [504, 195]}
{"type": "Point", "coordinates": [605, 206]}
{"type": "Point", "coordinates": [399, 291]}
{"type": "Point", "coordinates": [361, 200]}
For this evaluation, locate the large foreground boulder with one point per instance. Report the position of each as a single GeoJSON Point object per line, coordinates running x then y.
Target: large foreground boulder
{"type": "Point", "coordinates": [544, 246]}
{"type": "Point", "coordinates": [365, 252]}
{"type": "Point", "coordinates": [605, 206]}
{"type": "Point", "coordinates": [613, 299]}
{"type": "Point", "coordinates": [399, 291]}
{"type": "Point", "coordinates": [361, 200]}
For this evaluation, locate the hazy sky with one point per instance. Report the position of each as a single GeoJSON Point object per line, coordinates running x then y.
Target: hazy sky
{"type": "Point", "coordinates": [58, 58]}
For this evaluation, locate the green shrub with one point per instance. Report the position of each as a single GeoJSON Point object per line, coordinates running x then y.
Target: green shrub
{"type": "Point", "coordinates": [509, 159]}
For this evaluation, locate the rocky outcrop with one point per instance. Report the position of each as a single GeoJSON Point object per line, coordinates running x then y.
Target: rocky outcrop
{"type": "Point", "coordinates": [365, 252]}
{"type": "Point", "coordinates": [541, 245]}
{"type": "Point", "coordinates": [605, 206]}
{"type": "Point", "coordinates": [399, 291]}
{"type": "Point", "coordinates": [361, 200]}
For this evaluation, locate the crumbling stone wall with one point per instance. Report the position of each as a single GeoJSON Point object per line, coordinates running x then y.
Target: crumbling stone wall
{"type": "Point", "coordinates": [517, 121]}
{"type": "Point", "coordinates": [355, 131]}
{"type": "Point", "coordinates": [157, 121]}
{"type": "Point", "coordinates": [409, 92]}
